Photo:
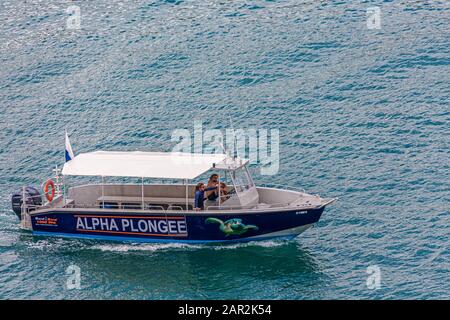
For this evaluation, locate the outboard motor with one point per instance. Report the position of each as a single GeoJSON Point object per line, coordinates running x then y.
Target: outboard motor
{"type": "Point", "coordinates": [33, 199]}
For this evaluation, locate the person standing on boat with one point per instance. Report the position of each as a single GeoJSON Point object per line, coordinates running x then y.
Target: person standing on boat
{"type": "Point", "coordinates": [212, 182]}
{"type": "Point", "coordinates": [200, 195]}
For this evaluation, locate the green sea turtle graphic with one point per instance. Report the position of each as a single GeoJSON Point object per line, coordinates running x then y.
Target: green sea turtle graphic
{"type": "Point", "coordinates": [232, 226]}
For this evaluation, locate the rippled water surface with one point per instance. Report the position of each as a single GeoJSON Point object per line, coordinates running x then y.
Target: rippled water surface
{"type": "Point", "coordinates": [363, 114]}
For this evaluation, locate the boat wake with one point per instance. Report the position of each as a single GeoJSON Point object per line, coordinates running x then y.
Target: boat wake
{"type": "Point", "coordinates": [183, 247]}
{"type": "Point", "coordinates": [65, 244]}
{"type": "Point", "coordinates": [143, 247]}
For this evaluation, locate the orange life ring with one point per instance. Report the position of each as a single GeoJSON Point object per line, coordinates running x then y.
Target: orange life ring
{"type": "Point", "coordinates": [50, 195]}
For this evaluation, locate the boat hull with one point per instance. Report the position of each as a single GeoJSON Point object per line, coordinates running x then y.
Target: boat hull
{"type": "Point", "coordinates": [204, 227]}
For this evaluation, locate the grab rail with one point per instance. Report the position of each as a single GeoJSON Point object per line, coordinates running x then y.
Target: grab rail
{"type": "Point", "coordinates": [172, 207]}
{"type": "Point", "coordinates": [282, 186]}
{"type": "Point", "coordinates": [155, 207]}
{"type": "Point", "coordinates": [249, 207]}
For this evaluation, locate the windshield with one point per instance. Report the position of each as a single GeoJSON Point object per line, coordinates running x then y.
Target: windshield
{"type": "Point", "coordinates": [242, 179]}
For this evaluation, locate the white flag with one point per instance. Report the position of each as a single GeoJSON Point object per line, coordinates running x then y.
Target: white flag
{"type": "Point", "coordinates": [69, 151]}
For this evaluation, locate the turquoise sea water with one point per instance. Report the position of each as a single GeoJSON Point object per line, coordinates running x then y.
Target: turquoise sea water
{"type": "Point", "coordinates": [363, 114]}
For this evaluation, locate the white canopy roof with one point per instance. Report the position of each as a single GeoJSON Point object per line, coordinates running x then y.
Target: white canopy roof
{"type": "Point", "coordinates": [170, 165]}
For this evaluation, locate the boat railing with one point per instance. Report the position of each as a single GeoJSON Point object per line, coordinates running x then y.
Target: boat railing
{"type": "Point", "coordinates": [130, 206]}
{"type": "Point", "coordinates": [248, 207]}
{"type": "Point", "coordinates": [31, 207]}
{"type": "Point", "coordinates": [153, 207]}
{"type": "Point", "coordinates": [72, 205]}
{"type": "Point", "coordinates": [173, 207]}
{"type": "Point", "coordinates": [114, 206]}
{"type": "Point", "coordinates": [282, 186]}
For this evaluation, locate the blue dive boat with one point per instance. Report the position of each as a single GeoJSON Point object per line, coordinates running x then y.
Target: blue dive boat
{"type": "Point", "coordinates": [163, 212]}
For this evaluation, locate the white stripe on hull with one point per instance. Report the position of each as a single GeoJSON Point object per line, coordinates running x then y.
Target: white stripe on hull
{"type": "Point", "coordinates": [285, 233]}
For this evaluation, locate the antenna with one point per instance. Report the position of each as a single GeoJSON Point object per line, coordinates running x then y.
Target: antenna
{"type": "Point", "coordinates": [225, 151]}
{"type": "Point", "coordinates": [223, 148]}
{"type": "Point", "coordinates": [234, 138]}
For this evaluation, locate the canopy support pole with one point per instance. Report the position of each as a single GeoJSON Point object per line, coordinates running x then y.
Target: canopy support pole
{"type": "Point", "coordinates": [64, 190]}
{"type": "Point", "coordinates": [103, 192]}
{"type": "Point", "coordinates": [142, 193]}
{"type": "Point", "coordinates": [218, 187]}
{"type": "Point", "coordinates": [187, 187]}
{"type": "Point", "coordinates": [233, 176]}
